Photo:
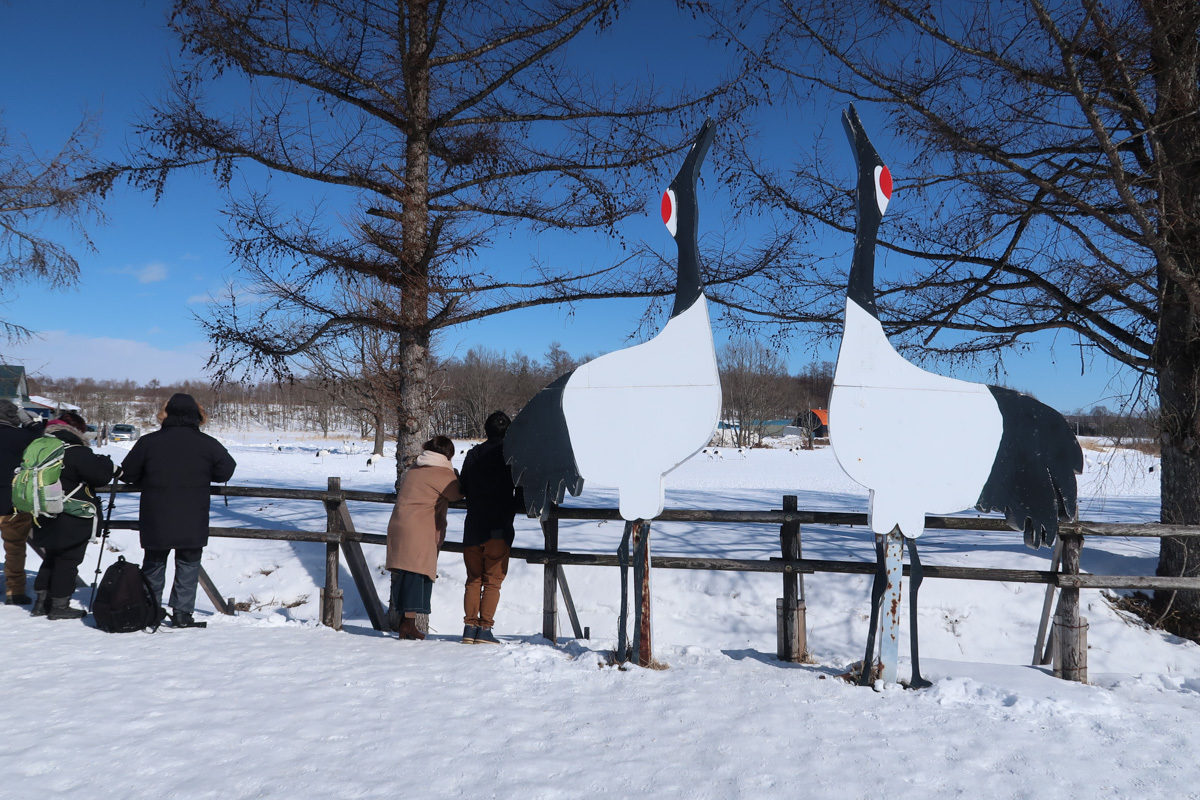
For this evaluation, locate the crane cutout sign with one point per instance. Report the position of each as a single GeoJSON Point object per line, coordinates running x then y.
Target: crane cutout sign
{"type": "Point", "coordinates": [983, 446]}
{"type": "Point", "coordinates": [629, 417]}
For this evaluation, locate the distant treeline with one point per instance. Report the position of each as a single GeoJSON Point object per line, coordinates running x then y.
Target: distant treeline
{"type": "Point", "coordinates": [757, 389]}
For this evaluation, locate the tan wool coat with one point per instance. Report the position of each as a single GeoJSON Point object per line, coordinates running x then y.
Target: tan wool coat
{"type": "Point", "coordinates": [418, 525]}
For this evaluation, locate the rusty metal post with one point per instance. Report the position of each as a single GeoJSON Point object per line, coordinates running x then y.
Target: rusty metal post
{"type": "Point", "coordinates": [643, 654]}
{"type": "Point", "coordinates": [889, 615]}
{"type": "Point", "coordinates": [331, 595]}
{"type": "Point", "coordinates": [790, 622]}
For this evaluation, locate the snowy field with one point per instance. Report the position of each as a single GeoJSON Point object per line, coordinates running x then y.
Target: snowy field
{"type": "Point", "coordinates": [268, 704]}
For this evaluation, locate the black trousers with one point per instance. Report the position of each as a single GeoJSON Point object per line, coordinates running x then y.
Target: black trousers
{"type": "Point", "coordinates": [60, 569]}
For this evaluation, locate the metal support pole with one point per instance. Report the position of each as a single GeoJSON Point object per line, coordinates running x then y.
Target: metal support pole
{"type": "Point", "coordinates": [623, 566]}
{"type": "Point", "coordinates": [889, 617]}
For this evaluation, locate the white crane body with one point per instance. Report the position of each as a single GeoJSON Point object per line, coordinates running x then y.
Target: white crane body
{"type": "Point", "coordinates": [921, 442]}
{"type": "Point", "coordinates": [636, 414]}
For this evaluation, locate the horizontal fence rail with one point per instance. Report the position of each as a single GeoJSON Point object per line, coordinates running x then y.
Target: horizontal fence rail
{"type": "Point", "coordinates": [765, 517]}
{"type": "Point", "coordinates": [1063, 643]}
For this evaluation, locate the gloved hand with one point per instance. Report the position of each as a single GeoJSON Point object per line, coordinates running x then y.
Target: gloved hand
{"type": "Point", "coordinates": [25, 417]}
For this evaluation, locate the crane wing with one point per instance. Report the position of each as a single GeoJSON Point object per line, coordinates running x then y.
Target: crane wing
{"type": "Point", "coordinates": [1033, 478]}
{"type": "Point", "coordinates": [538, 449]}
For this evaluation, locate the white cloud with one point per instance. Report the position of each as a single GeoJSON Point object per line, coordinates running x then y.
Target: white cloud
{"type": "Point", "coordinates": [153, 272]}
{"type": "Point", "coordinates": [59, 354]}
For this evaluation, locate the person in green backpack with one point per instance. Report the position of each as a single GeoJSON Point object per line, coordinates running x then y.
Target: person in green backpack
{"type": "Point", "coordinates": [65, 536]}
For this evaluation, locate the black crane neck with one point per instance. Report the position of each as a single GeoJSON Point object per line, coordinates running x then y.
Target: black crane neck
{"type": "Point", "coordinates": [861, 284]}
{"type": "Point", "coordinates": [688, 284]}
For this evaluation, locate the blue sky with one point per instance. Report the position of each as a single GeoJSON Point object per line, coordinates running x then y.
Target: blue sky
{"type": "Point", "coordinates": [132, 316]}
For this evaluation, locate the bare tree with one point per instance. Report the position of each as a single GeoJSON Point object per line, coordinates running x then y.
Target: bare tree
{"type": "Point", "coordinates": [432, 125]}
{"type": "Point", "coordinates": [34, 189]}
{"type": "Point", "coordinates": [1046, 156]}
{"type": "Point", "coordinates": [754, 387]}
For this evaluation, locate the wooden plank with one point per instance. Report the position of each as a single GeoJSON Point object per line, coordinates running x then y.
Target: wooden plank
{"type": "Point", "coordinates": [990, 523]}
{"type": "Point", "coordinates": [356, 562]}
{"type": "Point", "coordinates": [359, 570]}
{"type": "Point", "coordinates": [1039, 649]}
{"type": "Point", "coordinates": [569, 603]}
{"type": "Point", "coordinates": [214, 596]}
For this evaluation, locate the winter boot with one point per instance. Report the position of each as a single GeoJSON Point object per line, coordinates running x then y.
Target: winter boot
{"type": "Point", "coordinates": [182, 619]}
{"type": "Point", "coordinates": [60, 608]}
{"type": "Point", "coordinates": [409, 630]}
{"type": "Point", "coordinates": [19, 599]}
{"type": "Point", "coordinates": [40, 599]}
{"type": "Point", "coordinates": [469, 634]}
{"type": "Point", "coordinates": [485, 636]}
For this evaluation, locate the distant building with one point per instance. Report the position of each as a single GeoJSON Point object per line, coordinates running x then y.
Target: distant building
{"type": "Point", "coordinates": [47, 408]}
{"type": "Point", "coordinates": [815, 420]}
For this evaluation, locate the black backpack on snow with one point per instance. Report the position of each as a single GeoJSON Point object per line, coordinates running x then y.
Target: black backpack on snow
{"type": "Point", "coordinates": [124, 602]}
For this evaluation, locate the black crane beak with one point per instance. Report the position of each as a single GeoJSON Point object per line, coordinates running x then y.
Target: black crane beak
{"type": "Point", "coordinates": [864, 152]}
{"type": "Point", "coordinates": [690, 171]}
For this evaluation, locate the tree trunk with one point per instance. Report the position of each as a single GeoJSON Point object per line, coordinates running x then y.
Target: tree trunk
{"type": "Point", "coordinates": [1176, 57]}
{"type": "Point", "coordinates": [1179, 404]}
{"type": "Point", "coordinates": [414, 428]}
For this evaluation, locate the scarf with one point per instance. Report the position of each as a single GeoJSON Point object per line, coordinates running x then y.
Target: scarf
{"type": "Point", "coordinates": [428, 458]}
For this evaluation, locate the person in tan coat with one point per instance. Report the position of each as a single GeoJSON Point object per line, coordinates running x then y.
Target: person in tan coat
{"type": "Point", "coordinates": [417, 529]}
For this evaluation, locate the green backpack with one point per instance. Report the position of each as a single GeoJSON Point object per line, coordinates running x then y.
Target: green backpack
{"type": "Point", "coordinates": [36, 488]}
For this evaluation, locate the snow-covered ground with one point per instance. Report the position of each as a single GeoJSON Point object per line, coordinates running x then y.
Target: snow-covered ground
{"type": "Point", "coordinates": [269, 704]}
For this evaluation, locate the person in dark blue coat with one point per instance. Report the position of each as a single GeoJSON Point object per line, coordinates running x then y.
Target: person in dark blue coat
{"type": "Point", "coordinates": [64, 538]}
{"type": "Point", "coordinates": [174, 467]}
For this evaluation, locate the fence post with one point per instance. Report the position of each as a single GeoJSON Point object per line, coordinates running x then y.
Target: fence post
{"type": "Point", "coordinates": [550, 581]}
{"type": "Point", "coordinates": [1070, 629]}
{"type": "Point", "coordinates": [790, 609]}
{"type": "Point", "coordinates": [331, 595]}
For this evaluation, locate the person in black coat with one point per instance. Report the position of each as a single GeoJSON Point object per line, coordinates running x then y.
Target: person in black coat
{"type": "Point", "coordinates": [17, 429]}
{"type": "Point", "coordinates": [488, 533]}
{"type": "Point", "coordinates": [175, 467]}
{"type": "Point", "coordinates": [65, 537]}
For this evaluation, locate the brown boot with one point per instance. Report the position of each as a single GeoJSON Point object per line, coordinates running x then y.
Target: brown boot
{"type": "Point", "coordinates": [409, 629]}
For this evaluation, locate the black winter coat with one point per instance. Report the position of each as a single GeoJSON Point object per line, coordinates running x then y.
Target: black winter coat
{"type": "Point", "coordinates": [491, 500]}
{"type": "Point", "coordinates": [175, 467]}
{"type": "Point", "coordinates": [80, 466]}
{"type": "Point", "coordinates": [13, 441]}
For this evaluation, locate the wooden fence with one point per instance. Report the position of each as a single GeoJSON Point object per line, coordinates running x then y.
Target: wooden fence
{"type": "Point", "coordinates": [1064, 644]}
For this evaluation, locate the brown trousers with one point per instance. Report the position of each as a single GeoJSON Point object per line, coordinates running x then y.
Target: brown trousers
{"type": "Point", "coordinates": [15, 530]}
{"type": "Point", "coordinates": [487, 564]}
